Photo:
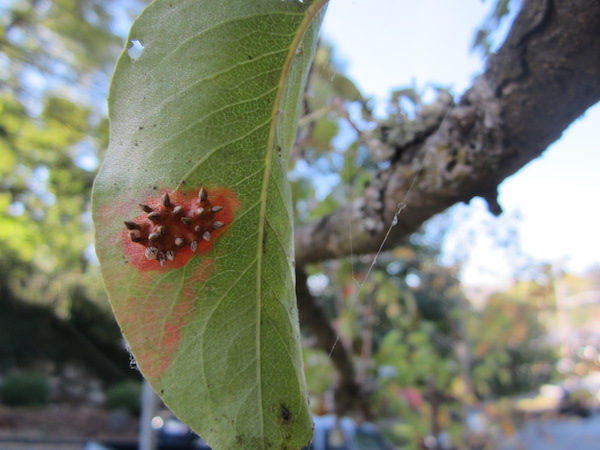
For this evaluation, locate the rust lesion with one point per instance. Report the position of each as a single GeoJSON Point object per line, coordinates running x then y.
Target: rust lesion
{"type": "Point", "coordinates": [175, 226]}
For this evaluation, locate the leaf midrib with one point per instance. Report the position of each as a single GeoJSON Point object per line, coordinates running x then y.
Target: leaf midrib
{"type": "Point", "coordinates": [309, 15]}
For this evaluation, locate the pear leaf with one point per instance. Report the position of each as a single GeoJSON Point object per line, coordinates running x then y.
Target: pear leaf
{"type": "Point", "coordinates": [193, 213]}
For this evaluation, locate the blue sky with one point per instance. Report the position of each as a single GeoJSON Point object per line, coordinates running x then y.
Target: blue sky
{"type": "Point", "coordinates": [387, 44]}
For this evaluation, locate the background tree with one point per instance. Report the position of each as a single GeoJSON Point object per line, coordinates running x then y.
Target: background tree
{"type": "Point", "coordinates": [57, 57]}
{"type": "Point", "coordinates": [521, 103]}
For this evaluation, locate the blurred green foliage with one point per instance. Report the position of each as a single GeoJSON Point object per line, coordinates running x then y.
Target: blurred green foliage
{"type": "Point", "coordinates": [509, 354]}
{"type": "Point", "coordinates": [52, 130]}
{"type": "Point", "coordinates": [25, 389]}
{"type": "Point", "coordinates": [125, 395]}
{"type": "Point", "coordinates": [55, 62]}
{"type": "Point", "coordinates": [32, 333]}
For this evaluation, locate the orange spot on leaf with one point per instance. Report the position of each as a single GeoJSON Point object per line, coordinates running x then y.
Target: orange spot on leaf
{"type": "Point", "coordinates": [153, 320]}
{"type": "Point", "coordinates": [175, 229]}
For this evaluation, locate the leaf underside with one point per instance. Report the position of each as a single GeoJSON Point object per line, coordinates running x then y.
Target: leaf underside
{"type": "Point", "coordinates": [212, 101]}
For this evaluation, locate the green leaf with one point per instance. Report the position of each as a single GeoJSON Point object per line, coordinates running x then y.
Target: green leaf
{"type": "Point", "coordinates": [212, 102]}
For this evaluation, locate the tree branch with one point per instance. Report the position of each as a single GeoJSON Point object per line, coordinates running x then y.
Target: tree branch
{"type": "Point", "coordinates": [546, 75]}
{"type": "Point", "coordinates": [349, 394]}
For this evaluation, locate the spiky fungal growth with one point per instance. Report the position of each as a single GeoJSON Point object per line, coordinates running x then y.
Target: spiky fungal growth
{"type": "Point", "coordinates": [168, 228]}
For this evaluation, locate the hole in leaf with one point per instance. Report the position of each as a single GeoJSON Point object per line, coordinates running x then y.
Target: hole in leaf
{"type": "Point", "coordinates": [136, 49]}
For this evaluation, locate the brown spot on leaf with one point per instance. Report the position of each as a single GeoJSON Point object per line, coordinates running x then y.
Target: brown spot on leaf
{"type": "Point", "coordinates": [285, 414]}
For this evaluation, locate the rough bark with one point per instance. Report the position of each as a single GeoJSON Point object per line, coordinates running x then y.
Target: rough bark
{"type": "Point", "coordinates": [545, 75]}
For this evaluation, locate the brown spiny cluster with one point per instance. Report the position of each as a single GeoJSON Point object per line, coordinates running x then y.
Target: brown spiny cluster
{"type": "Point", "coordinates": [167, 228]}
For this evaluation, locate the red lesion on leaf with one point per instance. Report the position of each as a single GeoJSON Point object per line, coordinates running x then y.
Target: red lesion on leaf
{"type": "Point", "coordinates": [153, 318]}
{"type": "Point", "coordinates": [153, 323]}
{"type": "Point", "coordinates": [176, 226]}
